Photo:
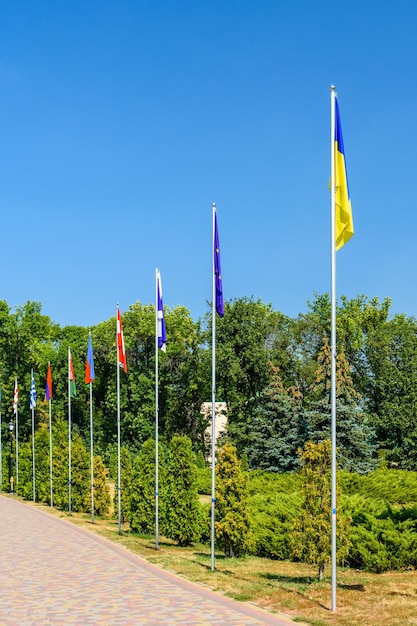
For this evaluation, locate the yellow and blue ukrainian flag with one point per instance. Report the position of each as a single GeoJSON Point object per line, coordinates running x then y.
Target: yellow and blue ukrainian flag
{"type": "Point", "coordinates": [343, 208]}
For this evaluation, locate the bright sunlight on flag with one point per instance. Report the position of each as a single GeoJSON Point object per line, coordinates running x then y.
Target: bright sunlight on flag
{"type": "Point", "coordinates": [343, 208]}
{"type": "Point", "coordinates": [162, 337]}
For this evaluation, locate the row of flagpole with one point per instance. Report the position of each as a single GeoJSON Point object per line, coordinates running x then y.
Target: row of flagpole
{"type": "Point", "coordinates": [341, 231]}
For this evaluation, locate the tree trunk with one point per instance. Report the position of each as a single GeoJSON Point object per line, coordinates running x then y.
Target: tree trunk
{"type": "Point", "coordinates": [321, 571]}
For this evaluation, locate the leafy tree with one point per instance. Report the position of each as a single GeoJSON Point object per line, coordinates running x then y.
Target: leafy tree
{"type": "Point", "coordinates": [183, 510]}
{"type": "Point", "coordinates": [242, 361]}
{"type": "Point", "coordinates": [392, 389]}
{"type": "Point", "coordinates": [184, 383]}
{"type": "Point", "coordinates": [232, 525]}
{"type": "Point", "coordinates": [311, 534]}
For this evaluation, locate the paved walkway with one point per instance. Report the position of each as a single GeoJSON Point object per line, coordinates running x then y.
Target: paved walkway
{"type": "Point", "coordinates": [52, 572]}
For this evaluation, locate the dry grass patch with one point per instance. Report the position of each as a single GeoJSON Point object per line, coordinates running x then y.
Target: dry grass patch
{"type": "Point", "coordinates": [363, 599]}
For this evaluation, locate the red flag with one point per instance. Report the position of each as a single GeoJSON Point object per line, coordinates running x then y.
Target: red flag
{"type": "Point", "coordinates": [121, 355]}
{"type": "Point", "coordinates": [71, 377]}
{"type": "Point", "coordinates": [15, 396]}
{"type": "Point", "coordinates": [48, 389]}
{"type": "Point", "coordinates": [89, 366]}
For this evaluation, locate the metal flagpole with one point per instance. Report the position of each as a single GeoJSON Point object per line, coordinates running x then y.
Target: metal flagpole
{"type": "Point", "coordinates": [69, 435]}
{"type": "Point", "coordinates": [92, 452]}
{"type": "Point", "coordinates": [333, 342]}
{"type": "Point", "coordinates": [17, 440]}
{"type": "Point", "coordinates": [213, 398]}
{"type": "Point", "coordinates": [1, 447]}
{"type": "Point", "coordinates": [156, 419]}
{"type": "Point", "coordinates": [50, 451]}
{"type": "Point", "coordinates": [119, 502]}
{"type": "Point", "coordinates": [32, 406]}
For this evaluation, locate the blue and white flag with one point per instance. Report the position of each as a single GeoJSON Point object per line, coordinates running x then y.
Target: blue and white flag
{"type": "Point", "coordinates": [162, 337]}
{"type": "Point", "coordinates": [33, 393]}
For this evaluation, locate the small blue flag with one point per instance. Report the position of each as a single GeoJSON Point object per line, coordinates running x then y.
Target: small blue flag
{"type": "Point", "coordinates": [218, 271]}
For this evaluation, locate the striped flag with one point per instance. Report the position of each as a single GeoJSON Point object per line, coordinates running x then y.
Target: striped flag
{"type": "Point", "coordinates": [15, 396]}
{"type": "Point", "coordinates": [89, 366]}
{"type": "Point", "coordinates": [343, 207]}
{"type": "Point", "coordinates": [48, 387]}
{"type": "Point", "coordinates": [71, 377]}
{"type": "Point", "coordinates": [121, 355]}
{"type": "Point", "coordinates": [32, 393]}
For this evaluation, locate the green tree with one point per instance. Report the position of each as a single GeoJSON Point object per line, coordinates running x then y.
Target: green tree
{"type": "Point", "coordinates": [242, 360]}
{"type": "Point", "coordinates": [142, 502]}
{"type": "Point", "coordinates": [125, 485]}
{"type": "Point", "coordinates": [392, 389]}
{"type": "Point", "coordinates": [277, 428]}
{"type": "Point", "coordinates": [355, 437]}
{"type": "Point", "coordinates": [232, 527]}
{"type": "Point", "coordinates": [80, 468]}
{"type": "Point", "coordinates": [101, 490]}
{"type": "Point", "coordinates": [183, 511]}
{"type": "Point", "coordinates": [310, 539]}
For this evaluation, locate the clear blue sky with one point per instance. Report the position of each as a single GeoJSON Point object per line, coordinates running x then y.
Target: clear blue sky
{"type": "Point", "coordinates": [122, 121]}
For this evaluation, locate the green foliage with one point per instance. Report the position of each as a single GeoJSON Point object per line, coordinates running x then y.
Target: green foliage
{"type": "Point", "coordinates": [101, 489]}
{"type": "Point", "coordinates": [394, 487]}
{"type": "Point", "coordinates": [274, 500]}
{"type": "Point", "coordinates": [311, 534]}
{"type": "Point", "coordinates": [356, 450]}
{"type": "Point", "coordinates": [142, 502]}
{"type": "Point", "coordinates": [384, 542]}
{"type": "Point", "coordinates": [277, 428]}
{"type": "Point", "coordinates": [204, 476]}
{"type": "Point", "coordinates": [80, 469]}
{"type": "Point", "coordinates": [267, 420]}
{"type": "Point", "coordinates": [183, 511]}
{"type": "Point", "coordinates": [232, 523]}
{"type": "Point", "coordinates": [125, 484]}
{"type": "Point", "coordinates": [242, 360]}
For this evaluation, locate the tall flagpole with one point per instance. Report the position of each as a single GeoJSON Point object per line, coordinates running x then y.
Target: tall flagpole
{"type": "Point", "coordinates": [17, 438]}
{"type": "Point", "coordinates": [48, 397]}
{"type": "Point", "coordinates": [160, 344]}
{"type": "Point", "coordinates": [156, 418]}
{"type": "Point", "coordinates": [92, 452]}
{"type": "Point", "coordinates": [1, 446]}
{"type": "Point", "coordinates": [69, 436]}
{"type": "Point", "coordinates": [50, 452]}
{"type": "Point", "coordinates": [119, 501]}
{"type": "Point", "coordinates": [88, 378]}
{"type": "Point", "coordinates": [333, 342]}
{"type": "Point", "coordinates": [32, 407]}
{"type": "Point", "coordinates": [213, 395]}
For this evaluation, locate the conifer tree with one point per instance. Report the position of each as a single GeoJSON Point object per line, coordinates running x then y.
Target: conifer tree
{"type": "Point", "coordinates": [101, 490]}
{"type": "Point", "coordinates": [232, 528]}
{"type": "Point", "coordinates": [277, 428]}
{"type": "Point", "coordinates": [183, 510]}
{"type": "Point", "coordinates": [125, 485]}
{"type": "Point", "coordinates": [142, 501]}
{"type": "Point", "coordinates": [355, 438]}
{"type": "Point", "coordinates": [311, 535]}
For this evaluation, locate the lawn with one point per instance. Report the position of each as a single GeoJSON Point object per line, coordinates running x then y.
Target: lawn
{"type": "Point", "coordinates": [363, 599]}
